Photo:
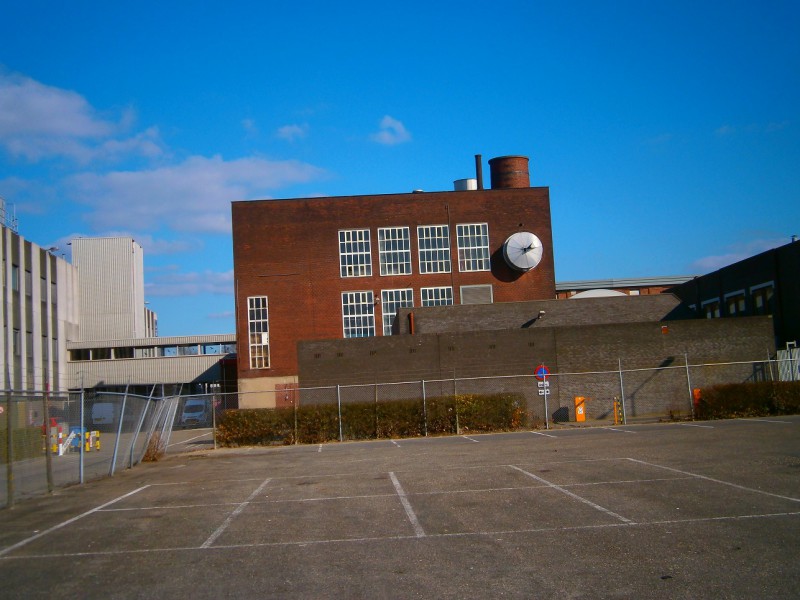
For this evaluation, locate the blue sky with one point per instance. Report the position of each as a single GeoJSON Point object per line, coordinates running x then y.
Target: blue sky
{"type": "Point", "coordinates": [668, 132]}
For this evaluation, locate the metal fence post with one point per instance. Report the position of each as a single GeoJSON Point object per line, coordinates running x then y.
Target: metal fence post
{"type": "Point", "coordinates": [376, 410]}
{"type": "Point", "coordinates": [48, 455]}
{"type": "Point", "coordinates": [119, 433]}
{"type": "Point", "coordinates": [9, 451]}
{"type": "Point", "coordinates": [622, 393]}
{"type": "Point", "coordinates": [339, 402]}
{"type": "Point", "coordinates": [689, 383]}
{"type": "Point", "coordinates": [139, 426]}
{"type": "Point", "coordinates": [294, 404]}
{"type": "Point", "coordinates": [83, 435]}
{"type": "Point", "coordinates": [424, 410]}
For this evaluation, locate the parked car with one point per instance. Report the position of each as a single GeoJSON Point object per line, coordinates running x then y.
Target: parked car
{"type": "Point", "coordinates": [196, 411]}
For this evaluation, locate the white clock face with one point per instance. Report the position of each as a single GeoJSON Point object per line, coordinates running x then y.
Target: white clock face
{"type": "Point", "coordinates": [523, 251]}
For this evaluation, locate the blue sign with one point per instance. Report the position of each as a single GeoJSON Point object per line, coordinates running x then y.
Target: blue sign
{"type": "Point", "coordinates": [541, 373]}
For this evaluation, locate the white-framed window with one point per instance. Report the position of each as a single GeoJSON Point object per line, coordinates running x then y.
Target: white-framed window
{"type": "Point", "coordinates": [258, 328]}
{"type": "Point", "coordinates": [358, 314]}
{"type": "Point", "coordinates": [436, 296]}
{"type": "Point", "coordinates": [711, 308]}
{"type": "Point", "coordinates": [394, 250]}
{"type": "Point", "coordinates": [473, 246]}
{"type": "Point", "coordinates": [761, 296]}
{"type": "Point", "coordinates": [434, 248]}
{"type": "Point", "coordinates": [391, 301]}
{"type": "Point", "coordinates": [734, 303]}
{"type": "Point", "coordinates": [355, 253]}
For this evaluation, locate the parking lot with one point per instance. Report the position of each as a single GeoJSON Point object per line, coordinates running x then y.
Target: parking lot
{"type": "Point", "coordinates": [693, 510]}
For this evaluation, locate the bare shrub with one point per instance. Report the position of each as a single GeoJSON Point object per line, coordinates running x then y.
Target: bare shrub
{"type": "Point", "coordinates": [155, 449]}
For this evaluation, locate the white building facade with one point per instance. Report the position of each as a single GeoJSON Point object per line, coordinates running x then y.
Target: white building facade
{"type": "Point", "coordinates": [39, 314]}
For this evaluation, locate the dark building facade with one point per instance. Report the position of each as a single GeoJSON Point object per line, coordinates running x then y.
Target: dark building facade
{"type": "Point", "coordinates": [764, 284]}
{"type": "Point", "coordinates": [336, 268]}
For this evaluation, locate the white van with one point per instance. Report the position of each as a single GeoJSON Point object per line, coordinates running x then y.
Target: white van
{"type": "Point", "coordinates": [195, 412]}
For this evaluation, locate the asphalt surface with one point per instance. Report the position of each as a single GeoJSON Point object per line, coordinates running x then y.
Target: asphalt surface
{"type": "Point", "coordinates": [702, 510]}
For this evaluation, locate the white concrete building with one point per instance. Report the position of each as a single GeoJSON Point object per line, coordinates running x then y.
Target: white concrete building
{"type": "Point", "coordinates": [39, 312]}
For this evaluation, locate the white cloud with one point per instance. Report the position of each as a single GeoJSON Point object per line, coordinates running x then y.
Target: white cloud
{"type": "Point", "coordinates": [391, 132]}
{"type": "Point", "coordinates": [249, 125]}
{"type": "Point", "coordinates": [228, 314]}
{"type": "Point", "coordinates": [191, 196]}
{"type": "Point", "coordinates": [754, 128]}
{"type": "Point", "coordinates": [190, 284]}
{"type": "Point", "coordinates": [39, 121]}
{"type": "Point", "coordinates": [708, 264]}
{"type": "Point", "coordinates": [290, 133]}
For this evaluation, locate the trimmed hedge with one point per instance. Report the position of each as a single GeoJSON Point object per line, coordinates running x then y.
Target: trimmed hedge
{"type": "Point", "coordinates": [317, 424]}
{"type": "Point", "coordinates": [749, 400]}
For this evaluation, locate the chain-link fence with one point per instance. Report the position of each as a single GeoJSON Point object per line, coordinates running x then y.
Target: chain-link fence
{"type": "Point", "coordinates": [667, 391]}
{"type": "Point", "coordinates": [49, 440]}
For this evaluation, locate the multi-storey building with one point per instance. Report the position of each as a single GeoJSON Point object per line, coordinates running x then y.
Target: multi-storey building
{"type": "Point", "coordinates": [111, 284]}
{"type": "Point", "coordinates": [341, 267]}
{"type": "Point", "coordinates": [39, 311]}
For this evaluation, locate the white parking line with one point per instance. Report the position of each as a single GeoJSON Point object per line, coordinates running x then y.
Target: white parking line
{"type": "Point", "coordinates": [466, 437]}
{"type": "Point", "coordinates": [735, 485]}
{"type": "Point", "coordinates": [694, 425]}
{"type": "Point", "coordinates": [571, 495]}
{"type": "Point", "coordinates": [395, 443]}
{"type": "Point", "coordinates": [392, 538]}
{"type": "Point", "coordinates": [418, 530]}
{"type": "Point", "coordinates": [233, 515]}
{"type": "Point", "coordinates": [620, 430]}
{"type": "Point", "coordinates": [69, 521]}
{"type": "Point", "coordinates": [767, 421]}
{"type": "Point", "coordinates": [544, 434]}
{"type": "Point", "coordinates": [190, 439]}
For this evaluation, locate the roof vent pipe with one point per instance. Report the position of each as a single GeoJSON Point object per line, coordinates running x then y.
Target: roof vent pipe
{"type": "Point", "coordinates": [479, 170]}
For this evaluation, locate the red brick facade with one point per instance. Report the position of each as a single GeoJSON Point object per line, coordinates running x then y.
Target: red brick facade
{"type": "Point", "coordinates": [288, 250]}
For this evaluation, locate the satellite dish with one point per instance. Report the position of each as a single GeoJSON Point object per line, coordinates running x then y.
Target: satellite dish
{"type": "Point", "coordinates": [523, 251]}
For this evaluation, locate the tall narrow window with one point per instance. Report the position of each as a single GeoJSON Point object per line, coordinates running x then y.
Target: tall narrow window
{"type": "Point", "coordinates": [258, 328]}
{"type": "Point", "coordinates": [394, 250]}
{"type": "Point", "coordinates": [391, 301]}
{"type": "Point", "coordinates": [358, 314]}
{"type": "Point", "coordinates": [437, 296]}
{"type": "Point", "coordinates": [434, 248]}
{"type": "Point", "coordinates": [15, 278]}
{"type": "Point", "coordinates": [734, 303]}
{"type": "Point", "coordinates": [473, 247]}
{"type": "Point", "coordinates": [762, 298]}
{"type": "Point", "coordinates": [355, 253]}
{"type": "Point", "coordinates": [711, 308]}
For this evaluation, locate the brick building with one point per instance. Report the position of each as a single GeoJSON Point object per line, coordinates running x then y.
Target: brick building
{"type": "Point", "coordinates": [333, 268]}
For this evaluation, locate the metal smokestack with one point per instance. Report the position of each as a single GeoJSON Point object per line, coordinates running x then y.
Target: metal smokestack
{"type": "Point", "coordinates": [479, 170]}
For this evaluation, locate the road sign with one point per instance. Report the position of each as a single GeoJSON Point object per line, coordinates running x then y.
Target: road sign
{"type": "Point", "coordinates": [541, 373]}
{"type": "Point", "coordinates": [543, 384]}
